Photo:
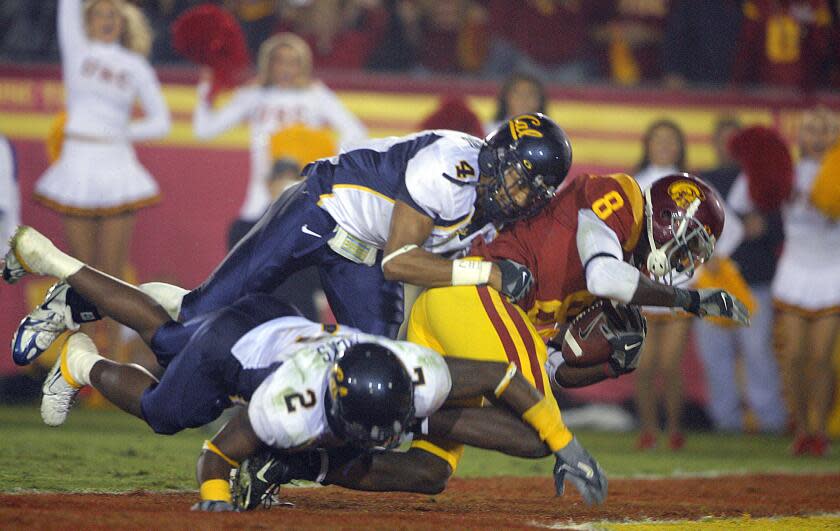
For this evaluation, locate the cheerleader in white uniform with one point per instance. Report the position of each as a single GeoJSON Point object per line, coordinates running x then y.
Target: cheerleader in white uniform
{"type": "Point", "coordinates": [285, 95]}
{"type": "Point", "coordinates": [97, 183]}
{"type": "Point", "coordinates": [806, 291]}
{"type": "Point", "coordinates": [663, 154]}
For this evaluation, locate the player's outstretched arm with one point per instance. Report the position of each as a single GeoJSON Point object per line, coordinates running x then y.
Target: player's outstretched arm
{"type": "Point", "coordinates": [231, 445]}
{"type": "Point", "coordinates": [405, 260]}
{"type": "Point", "coordinates": [702, 302]}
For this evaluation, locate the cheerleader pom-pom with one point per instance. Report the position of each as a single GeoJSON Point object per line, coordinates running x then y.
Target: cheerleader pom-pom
{"type": "Point", "coordinates": [55, 137]}
{"type": "Point", "coordinates": [765, 159]}
{"type": "Point", "coordinates": [454, 113]}
{"type": "Point", "coordinates": [208, 35]}
{"type": "Point", "coordinates": [825, 194]}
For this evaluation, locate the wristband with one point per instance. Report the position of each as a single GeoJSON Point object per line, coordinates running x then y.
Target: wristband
{"type": "Point", "coordinates": [215, 490]}
{"type": "Point", "coordinates": [470, 272]}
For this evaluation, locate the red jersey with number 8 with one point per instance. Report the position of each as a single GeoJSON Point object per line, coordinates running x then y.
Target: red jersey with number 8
{"type": "Point", "coordinates": [547, 243]}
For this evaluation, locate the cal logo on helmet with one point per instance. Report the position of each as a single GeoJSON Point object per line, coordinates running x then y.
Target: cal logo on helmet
{"type": "Point", "coordinates": [521, 126]}
{"type": "Point", "coordinates": [685, 192]}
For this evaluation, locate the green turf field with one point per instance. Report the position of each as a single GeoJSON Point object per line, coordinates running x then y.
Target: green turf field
{"type": "Point", "coordinates": [106, 450]}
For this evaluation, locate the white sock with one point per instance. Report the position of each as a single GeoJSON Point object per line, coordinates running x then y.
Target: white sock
{"type": "Point", "coordinates": [82, 355]}
{"type": "Point", "coordinates": [166, 295]}
{"type": "Point", "coordinates": [41, 256]}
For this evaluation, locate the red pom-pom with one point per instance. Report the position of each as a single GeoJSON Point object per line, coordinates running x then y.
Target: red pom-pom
{"type": "Point", "coordinates": [765, 159]}
{"type": "Point", "coordinates": [208, 35]}
{"type": "Point", "coordinates": [454, 113]}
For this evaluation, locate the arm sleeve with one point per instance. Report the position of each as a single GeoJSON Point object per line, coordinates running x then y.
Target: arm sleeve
{"type": "Point", "coordinates": [732, 235]}
{"type": "Point", "coordinates": [71, 27]}
{"type": "Point", "coordinates": [9, 194]}
{"type": "Point", "coordinates": [350, 128]}
{"type": "Point", "coordinates": [157, 122]}
{"type": "Point", "coordinates": [208, 123]}
{"type": "Point", "coordinates": [607, 275]}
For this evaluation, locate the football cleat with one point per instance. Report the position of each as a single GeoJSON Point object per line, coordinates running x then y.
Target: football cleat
{"type": "Point", "coordinates": [12, 268]}
{"type": "Point", "coordinates": [258, 479]}
{"type": "Point", "coordinates": [38, 330]}
{"type": "Point", "coordinates": [60, 392]}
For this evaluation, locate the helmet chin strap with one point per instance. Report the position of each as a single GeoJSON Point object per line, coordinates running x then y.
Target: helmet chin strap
{"type": "Point", "coordinates": [657, 260]}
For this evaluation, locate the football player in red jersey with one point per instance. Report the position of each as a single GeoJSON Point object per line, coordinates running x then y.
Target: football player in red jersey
{"type": "Point", "coordinates": [601, 236]}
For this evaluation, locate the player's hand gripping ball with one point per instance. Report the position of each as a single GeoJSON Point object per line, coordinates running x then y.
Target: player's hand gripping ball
{"type": "Point", "coordinates": [603, 332]}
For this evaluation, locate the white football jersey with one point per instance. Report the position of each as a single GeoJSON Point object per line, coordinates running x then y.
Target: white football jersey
{"type": "Point", "coordinates": [287, 409]}
{"type": "Point", "coordinates": [436, 172]}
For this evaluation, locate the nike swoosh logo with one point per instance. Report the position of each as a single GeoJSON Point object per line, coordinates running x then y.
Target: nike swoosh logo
{"type": "Point", "coordinates": [305, 229]}
{"type": "Point", "coordinates": [634, 345]}
{"type": "Point", "coordinates": [586, 331]}
{"type": "Point", "coordinates": [261, 473]}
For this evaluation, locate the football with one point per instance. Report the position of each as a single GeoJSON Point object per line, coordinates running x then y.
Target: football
{"type": "Point", "coordinates": [583, 341]}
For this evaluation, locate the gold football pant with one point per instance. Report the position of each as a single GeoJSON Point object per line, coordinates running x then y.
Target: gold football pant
{"type": "Point", "coordinates": [475, 322]}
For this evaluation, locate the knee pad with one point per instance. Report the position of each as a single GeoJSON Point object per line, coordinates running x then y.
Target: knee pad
{"type": "Point", "coordinates": [167, 295]}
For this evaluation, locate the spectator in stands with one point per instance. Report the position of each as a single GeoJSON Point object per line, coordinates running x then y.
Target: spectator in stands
{"type": "Point", "coordinates": [520, 94]}
{"type": "Point", "coordinates": [9, 194]}
{"type": "Point", "coordinates": [455, 114]}
{"type": "Point", "coordinates": [700, 39]}
{"type": "Point", "coordinates": [97, 184]}
{"type": "Point", "coordinates": [26, 34]}
{"type": "Point", "coordinates": [342, 34]}
{"type": "Point", "coordinates": [287, 110]}
{"type": "Point", "coordinates": [549, 37]}
{"type": "Point", "coordinates": [630, 40]}
{"type": "Point", "coordinates": [663, 148]}
{"type": "Point", "coordinates": [785, 43]}
{"type": "Point", "coordinates": [718, 345]}
{"type": "Point", "coordinates": [257, 18]}
{"type": "Point", "coordinates": [806, 288]}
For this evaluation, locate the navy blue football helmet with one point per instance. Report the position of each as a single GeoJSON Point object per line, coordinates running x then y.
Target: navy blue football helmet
{"type": "Point", "coordinates": [537, 152]}
{"type": "Point", "coordinates": [370, 401]}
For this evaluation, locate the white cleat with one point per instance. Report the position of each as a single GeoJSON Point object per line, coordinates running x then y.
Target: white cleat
{"type": "Point", "coordinates": [12, 268]}
{"type": "Point", "coordinates": [60, 390]}
{"type": "Point", "coordinates": [38, 330]}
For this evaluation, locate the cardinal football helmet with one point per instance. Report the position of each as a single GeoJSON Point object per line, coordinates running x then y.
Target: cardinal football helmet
{"type": "Point", "coordinates": [370, 401]}
{"type": "Point", "coordinates": [537, 152]}
{"type": "Point", "coordinates": [684, 218]}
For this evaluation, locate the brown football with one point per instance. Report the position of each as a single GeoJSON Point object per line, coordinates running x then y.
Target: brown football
{"type": "Point", "coordinates": [584, 342]}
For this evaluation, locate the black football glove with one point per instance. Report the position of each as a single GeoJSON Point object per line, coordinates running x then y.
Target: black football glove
{"type": "Point", "coordinates": [516, 279]}
{"type": "Point", "coordinates": [626, 334]}
{"type": "Point", "coordinates": [575, 464]}
{"type": "Point", "coordinates": [714, 303]}
{"type": "Point", "coordinates": [213, 506]}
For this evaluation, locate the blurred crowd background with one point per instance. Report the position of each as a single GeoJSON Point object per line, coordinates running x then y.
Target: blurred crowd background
{"type": "Point", "coordinates": [645, 87]}
{"type": "Point", "coordinates": [674, 43]}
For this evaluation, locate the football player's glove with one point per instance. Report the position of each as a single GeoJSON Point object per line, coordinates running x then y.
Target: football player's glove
{"type": "Point", "coordinates": [516, 279]}
{"type": "Point", "coordinates": [716, 303]}
{"type": "Point", "coordinates": [213, 506]}
{"type": "Point", "coordinates": [575, 464]}
{"type": "Point", "coordinates": [626, 334]}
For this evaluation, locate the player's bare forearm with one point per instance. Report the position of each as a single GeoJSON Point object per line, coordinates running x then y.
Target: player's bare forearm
{"type": "Point", "coordinates": [491, 428]}
{"type": "Point", "coordinates": [650, 293]}
{"type": "Point", "coordinates": [568, 376]}
{"type": "Point", "coordinates": [411, 471]}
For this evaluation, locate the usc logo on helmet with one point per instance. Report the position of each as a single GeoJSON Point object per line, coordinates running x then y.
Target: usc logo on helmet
{"type": "Point", "coordinates": [684, 193]}
{"type": "Point", "coordinates": [521, 126]}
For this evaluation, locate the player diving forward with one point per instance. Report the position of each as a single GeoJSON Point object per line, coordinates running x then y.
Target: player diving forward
{"type": "Point", "coordinates": [594, 240]}
{"type": "Point", "coordinates": [306, 386]}
{"type": "Point", "coordinates": [392, 210]}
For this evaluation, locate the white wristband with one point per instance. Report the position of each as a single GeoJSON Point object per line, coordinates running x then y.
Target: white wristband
{"type": "Point", "coordinates": [470, 272]}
